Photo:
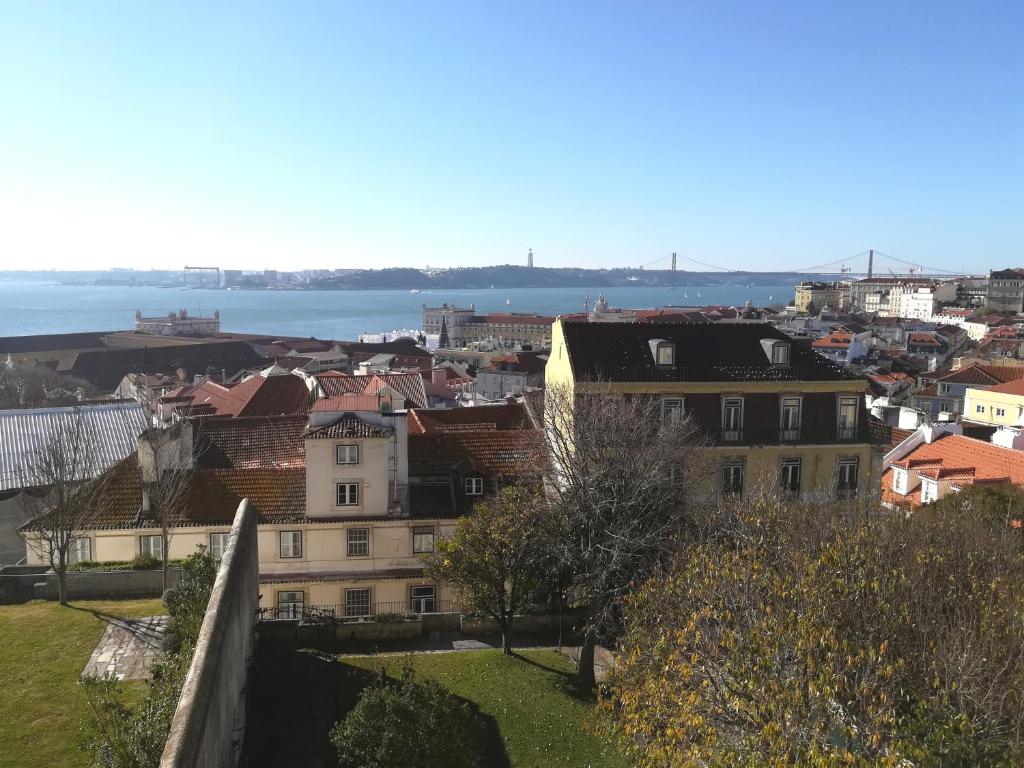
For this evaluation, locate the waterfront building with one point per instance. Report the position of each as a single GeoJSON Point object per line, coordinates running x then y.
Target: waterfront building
{"type": "Point", "coordinates": [510, 330]}
{"type": "Point", "coordinates": [812, 296]}
{"type": "Point", "coordinates": [773, 410]}
{"type": "Point", "coordinates": [179, 323]}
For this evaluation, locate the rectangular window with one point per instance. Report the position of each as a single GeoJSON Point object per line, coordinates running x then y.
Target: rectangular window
{"type": "Point", "coordinates": [1000, 411]}
{"type": "Point", "coordinates": [422, 599]}
{"type": "Point", "coordinates": [979, 409]}
{"type": "Point", "coordinates": [474, 486]}
{"type": "Point", "coordinates": [847, 418]}
{"type": "Point", "coordinates": [291, 543]}
{"type": "Point", "coordinates": [671, 410]}
{"type": "Point", "coordinates": [790, 419]}
{"type": "Point", "coordinates": [80, 550]}
{"type": "Point", "coordinates": [929, 490]}
{"type": "Point", "coordinates": [899, 481]}
{"type": "Point", "coordinates": [348, 494]}
{"type": "Point", "coordinates": [732, 419]}
{"type": "Point", "coordinates": [423, 538]}
{"type": "Point", "coordinates": [780, 354]}
{"type": "Point", "coordinates": [846, 482]}
{"type": "Point", "coordinates": [790, 477]}
{"type": "Point", "coordinates": [666, 354]}
{"type": "Point", "coordinates": [732, 476]}
{"type": "Point", "coordinates": [289, 604]}
{"type": "Point", "coordinates": [218, 543]}
{"type": "Point", "coordinates": [358, 542]}
{"type": "Point", "coordinates": [151, 546]}
{"type": "Point", "coordinates": [346, 454]}
{"type": "Point", "coordinates": [357, 602]}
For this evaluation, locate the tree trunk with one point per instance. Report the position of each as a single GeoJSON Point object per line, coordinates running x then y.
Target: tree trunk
{"type": "Point", "coordinates": [506, 636]}
{"type": "Point", "coordinates": [585, 672]}
{"type": "Point", "coordinates": [62, 586]}
{"type": "Point", "coordinates": [163, 546]}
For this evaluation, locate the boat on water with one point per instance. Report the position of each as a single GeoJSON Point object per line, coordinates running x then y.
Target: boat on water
{"type": "Point", "coordinates": [414, 290]}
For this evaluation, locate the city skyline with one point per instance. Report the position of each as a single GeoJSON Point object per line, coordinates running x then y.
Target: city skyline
{"type": "Point", "coordinates": [351, 136]}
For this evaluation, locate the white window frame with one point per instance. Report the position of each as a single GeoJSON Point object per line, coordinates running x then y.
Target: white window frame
{"type": "Point", "coordinates": [665, 353]}
{"type": "Point", "coordinates": [790, 463]}
{"type": "Point", "coordinates": [979, 409]}
{"type": "Point", "coordinates": [780, 354]}
{"type": "Point", "coordinates": [672, 409]}
{"type": "Point", "coordinates": [289, 606]}
{"type": "Point", "coordinates": [847, 431]}
{"type": "Point", "coordinates": [790, 431]}
{"type": "Point", "coordinates": [846, 489]}
{"type": "Point", "coordinates": [1000, 411]}
{"type": "Point", "coordinates": [346, 453]}
{"type": "Point", "coordinates": [929, 490]}
{"type": "Point", "coordinates": [75, 553]}
{"type": "Point", "coordinates": [357, 542]}
{"type": "Point", "coordinates": [734, 432]}
{"type": "Point", "coordinates": [289, 544]}
{"type": "Point", "coordinates": [153, 542]}
{"type": "Point", "coordinates": [900, 479]}
{"type": "Point", "coordinates": [352, 606]}
{"type": "Point", "coordinates": [346, 494]}
{"type": "Point", "coordinates": [423, 537]}
{"type": "Point", "coordinates": [217, 550]}
{"type": "Point", "coordinates": [473, 486]}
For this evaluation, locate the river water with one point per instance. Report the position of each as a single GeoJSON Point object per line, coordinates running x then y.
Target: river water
{"type": "Point", "coordinates": [35, 307]}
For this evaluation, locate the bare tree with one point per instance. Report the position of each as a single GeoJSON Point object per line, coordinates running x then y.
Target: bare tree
{"type": "Point", "coordinates": [167, 458]}
{"type": "Point", "coordinates": [61, 468]}
{"type": "Point", "coordinates": [621, 472]}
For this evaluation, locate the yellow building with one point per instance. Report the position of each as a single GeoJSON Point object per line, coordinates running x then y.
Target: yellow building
{"type": "Point", "coordinates": [998, 406]}
{"type": "Point", "coordinates": [773, 411]}
{"type": "Point", "coordinates": [819, 294]}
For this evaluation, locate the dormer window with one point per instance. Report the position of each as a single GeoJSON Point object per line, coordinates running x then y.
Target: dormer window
{"type": "Point", "coordinates": [777, 351]}
{"type": "Point", "coordinates": [474, 486]}
{"type": "Point", "coordinates": [664, 352]}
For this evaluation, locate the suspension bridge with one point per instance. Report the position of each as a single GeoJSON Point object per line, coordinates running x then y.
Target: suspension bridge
{"type": "Point", "coordinates": [867, 264]}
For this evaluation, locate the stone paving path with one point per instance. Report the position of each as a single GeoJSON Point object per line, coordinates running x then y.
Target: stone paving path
{"type": "Point", "coordinates": [127, 648]}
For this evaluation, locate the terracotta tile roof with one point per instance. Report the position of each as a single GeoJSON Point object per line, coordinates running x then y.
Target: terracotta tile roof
{"type": "Point", "coordinates": [932, 390]}
{"type": "Point", "coordinates": [258, 395]}
{"type": "Point", "coordinates": [985, 375]}
{"type": "Point", "coordinates": [349, 426]}
{"type": "Point", "coordinates": [278, 495]}
{"type": "Point", "coordinates": [923, 339]}
{"type": "Point", "coordinates": [351, 402]}
{"type": "Point", "coordinates": [965, 456]}
{"type": "Point", "coordinates": [1015, 387]}
{"type": "Point", "coordinates": [833, 341]}
{"type": "Point", "coordinates": [247, 442]}
{"type": "Point", "coordinates": [481, 418]}
{"type": "Point", "coordinates": [408, 385]}
{"type": "Point", "coordinates": [496, 453]}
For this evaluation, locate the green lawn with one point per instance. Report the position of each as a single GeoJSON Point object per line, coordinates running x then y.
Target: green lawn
{"type": "Point", "coordinates": [44, 717]}
{"type": "Point", "coordinates": [535, 716]}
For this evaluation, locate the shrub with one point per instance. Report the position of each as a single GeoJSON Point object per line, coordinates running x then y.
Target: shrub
{"type": "Point", "coordinates": [406, 723]}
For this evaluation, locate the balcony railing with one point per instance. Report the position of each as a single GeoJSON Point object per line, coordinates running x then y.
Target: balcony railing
{"type": "Point", "coordinates": [810, 433]}
{"type": "Point", "coordinates": [732, 435]}
{"type": "Point", "coordinates": [789, 435]}
{"type": "Point", "coordinates": [846, 433]}
{"type": "Point", "coordinates": [343, 612]}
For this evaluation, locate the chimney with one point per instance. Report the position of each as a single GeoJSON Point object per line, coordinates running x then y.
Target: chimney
{"type": "Point", "coordinates": [439, 376]}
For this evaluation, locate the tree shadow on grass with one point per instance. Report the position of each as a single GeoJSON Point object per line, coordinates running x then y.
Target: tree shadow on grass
{"type": "Point", "coordinates": [294, 697]}
{"type": "Point", "coordinates": [566, 681]}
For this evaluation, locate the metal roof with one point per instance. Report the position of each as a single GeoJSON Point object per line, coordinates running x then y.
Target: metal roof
{"type": "Point", "coordinates": [112, 428]}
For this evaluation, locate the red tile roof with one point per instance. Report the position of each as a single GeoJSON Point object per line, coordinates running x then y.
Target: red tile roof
{"type": "Point", "coordinates": [833, 341]}
{"type": "Point", "coordinates": [258, 395]}
{"type": "Point", "coordinates": [961, 460]}
{"type": "Point", "coordinates": [984, 375]}
{"type": "Point", "coordinates": [496, 453]}
{"type": "Point", "coordinates": [247, 442]}
{"type": "Point", "coordinates": [1015, 387]}
{"type": "Point", "coordinates": [481, 418]}
{"type": "Point", "coordinates": [408, 385]}
{"type": "Point", "coordinates": [349, 426]}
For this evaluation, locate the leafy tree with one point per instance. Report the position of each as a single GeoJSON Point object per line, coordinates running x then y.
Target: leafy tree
{"type": "Point", "coordinates": [406, 723]}
{"type": "Point", "coordinates": [809, 634]}
{"type": "Point", "coordinates": [620, 477]}
{"type": "Point", "coordinates": [495, 561]}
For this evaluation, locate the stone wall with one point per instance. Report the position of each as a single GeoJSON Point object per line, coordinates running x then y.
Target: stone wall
{"type": "Point", "coordinates": [208, 722]}
{"type": "Point", "coordinates": [19, 584]}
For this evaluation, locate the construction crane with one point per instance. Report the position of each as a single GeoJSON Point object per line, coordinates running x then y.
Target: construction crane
{"type": "Point", "coordinates": [193, 270]}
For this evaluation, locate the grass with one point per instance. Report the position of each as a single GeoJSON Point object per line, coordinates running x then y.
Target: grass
{"type": "Point", "coordinates": [44, 716]}
{"type": "Point", "coordinates": [537, 717]}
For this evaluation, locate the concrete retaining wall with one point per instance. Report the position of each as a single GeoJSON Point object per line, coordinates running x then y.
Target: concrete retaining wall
{"type": "Point", "coordinates": [485, 625]}
{"type": "Point", "coordinates": [16, 586]}
{"type": "Point", "coordinates": [207, 724]}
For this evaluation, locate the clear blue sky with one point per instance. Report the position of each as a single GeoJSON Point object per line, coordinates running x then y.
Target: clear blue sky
{"type": "Point", "coordinates": [758, 135]}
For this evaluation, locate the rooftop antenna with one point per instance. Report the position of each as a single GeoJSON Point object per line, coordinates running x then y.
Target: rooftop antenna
{"type": "Point", "coordinates": [529, 259]}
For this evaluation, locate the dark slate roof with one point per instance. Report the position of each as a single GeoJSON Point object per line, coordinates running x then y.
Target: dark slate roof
{"type": "Point", "coordinates": [704, 352]}
{"type": "Point", "coordinates": [106, 368]}
{"type": "Point", "coordinates": [52, 342]}
{"type": "Point", "coordinates": [348, 426]}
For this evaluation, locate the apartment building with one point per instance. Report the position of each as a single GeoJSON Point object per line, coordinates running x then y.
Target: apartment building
{"type": "Point", "coordinates": [813, 295]}
{"type": "Point", "coordinates": [774, 411]}
{"type": "Point", "coordinates": [347, 501]}
{"type": "Point", "coordinates": [1001, 405]}
{"type": "Point", "coordinates": [1006, 290]}
{"type": "Point", "coordinates": [463, 326]}
{"type": "Point", "coordinates": [946, 392]}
